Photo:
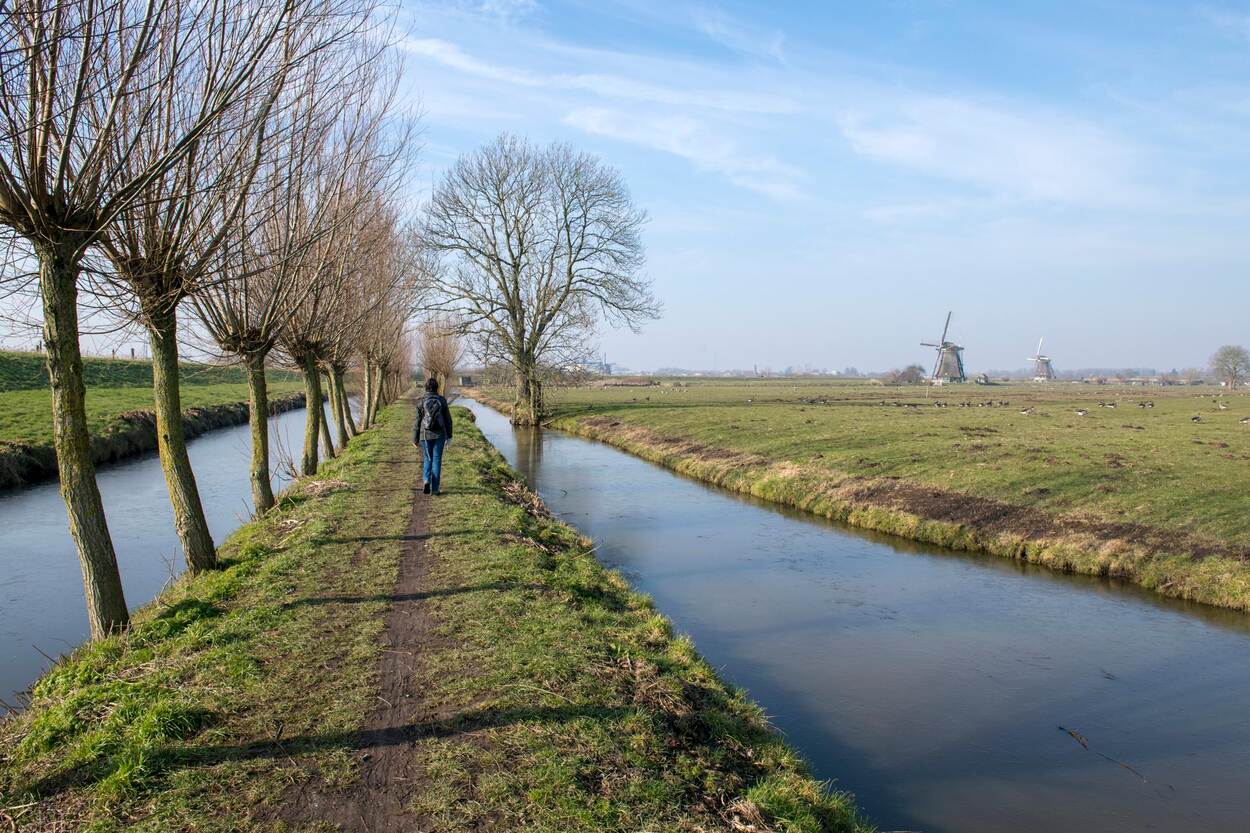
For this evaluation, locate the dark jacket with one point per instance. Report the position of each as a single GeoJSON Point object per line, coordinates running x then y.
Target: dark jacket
{"type": "Point", "coordinates": [442, 422]}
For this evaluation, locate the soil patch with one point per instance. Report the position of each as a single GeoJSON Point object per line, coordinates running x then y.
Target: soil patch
{"type": "Point", "coordinates": [996, 517]}
{"type": "Point", "coordinates": [388, 772]}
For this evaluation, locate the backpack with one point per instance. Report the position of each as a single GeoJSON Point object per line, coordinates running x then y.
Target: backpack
{"type": "Point", "coordinates": [432, 415]}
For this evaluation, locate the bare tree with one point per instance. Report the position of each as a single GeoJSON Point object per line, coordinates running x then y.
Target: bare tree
{"type": "Point", "coordinates": [359, 305]}
{"type": "Point", "coordinates": [345, 289]}
{"type": "Point", "coordinates": [913, 374]}
{"type": "Point", "coordinates": [293, 204]}
{"type": "Point", "coordinates": [440, 349]}
{"type": "Point", "coordinates": [398, 284]}
{"type": "Point", "coordinates": [163, 246]}
{"type": "Point", "coordinates": [539, 245]}
{"type": "Point", "coordinates": [1231, 365]}
{"type": "Point", "coordinates": [368, 157]}
{"type": "Point", "coordinates": [78, 79]}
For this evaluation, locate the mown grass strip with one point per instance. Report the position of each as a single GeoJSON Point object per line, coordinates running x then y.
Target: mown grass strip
{"type": "Point", "coordinates": [559, 699]}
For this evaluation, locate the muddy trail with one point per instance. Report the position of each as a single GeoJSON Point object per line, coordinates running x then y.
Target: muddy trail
{"type": "Point", "coordinates": [388, 771]}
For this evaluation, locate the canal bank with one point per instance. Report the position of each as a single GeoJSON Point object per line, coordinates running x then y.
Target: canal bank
{"type": "Point", "coordinates": [132, 435]}
{"type": "Point", "coordinates": [938, 687]}
{"type": "Point", "coordinates": [372, 658]}
{"type": "Point", "coordinates": [1163, 562]}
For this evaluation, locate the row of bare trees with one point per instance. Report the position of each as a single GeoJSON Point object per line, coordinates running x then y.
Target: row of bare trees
{"type": "Point", "coordinates": [241, 161]}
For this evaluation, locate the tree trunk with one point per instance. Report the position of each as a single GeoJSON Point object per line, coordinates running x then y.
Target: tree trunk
{"type": "Point", "coordinates": [171, 441]}
{"type": "Point", "coordinates": [368, 401]}
{"type": "Point", "coordinates": [336, 405]}
{"type": "Point", "coordinates": [352, 430]}
{"type": "Point", "coordinates": [258, 420]}
{"type": "Point", "coordinates": [527, 407]}
{"type": "Point", "coordinates": [327, 444]}
{"type": "Point", "coordinates": [101, 580]}
{"type": "Point", "coordinates": [375, 390]}
{"type": "Point", "coordinates": [345, 404]}
{"type": "Point", "coordinates": [312, 418]}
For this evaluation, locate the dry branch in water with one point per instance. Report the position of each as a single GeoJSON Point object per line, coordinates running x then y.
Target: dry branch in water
{"type": "Point", "coordinates": [518, 493]}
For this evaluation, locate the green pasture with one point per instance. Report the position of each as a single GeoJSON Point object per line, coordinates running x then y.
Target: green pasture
{"type": "Point", "coordinates": [1136, 455]}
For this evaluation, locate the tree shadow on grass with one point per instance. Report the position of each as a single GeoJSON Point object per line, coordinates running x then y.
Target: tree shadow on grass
{"type": "Point", "coordinates": [410, 597]}
{"type": "Point", "coordinates": [423, 536]}
{"type": "Point", "coordinates": [447, 490]}
{"type": "Point", "coordinates": [162, 760]}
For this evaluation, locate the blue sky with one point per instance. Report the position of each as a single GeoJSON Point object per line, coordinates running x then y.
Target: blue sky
{"type": "Point", "coordinates": [826, 180]}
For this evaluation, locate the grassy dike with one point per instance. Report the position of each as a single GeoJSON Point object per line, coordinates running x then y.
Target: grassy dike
{"type": "Point", "coordinates": [1171, 564]}
{"type": "Point", "coordinates": [121, 425]}
{"type": "Point", "coordinates": [540, 693]}
{"type": "Point", "coordinates": [119, 409]}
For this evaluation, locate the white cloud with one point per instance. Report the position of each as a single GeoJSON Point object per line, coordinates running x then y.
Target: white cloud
{"type": "Point", "coordinates": [688, 138]}
{"type": "Point", "coordinates": [740, 37]}
{"type": "Point", "coordinates": [607, 86]}
{"type": "Point", "coordinates": [507, 8]}
{"type": "Point", "coordinates": [452, 56]}
{"type": "Point", "coordinates": [1016, 154]}
{"type": "Point", "coordinates": [909, 212]}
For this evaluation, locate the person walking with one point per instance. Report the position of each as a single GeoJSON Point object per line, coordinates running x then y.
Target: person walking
{"type": "Point", "coordinates": [432, 433]}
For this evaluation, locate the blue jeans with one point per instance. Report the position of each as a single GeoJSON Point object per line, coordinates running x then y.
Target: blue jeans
{"type": "Point", "coordinates": [433, 452]}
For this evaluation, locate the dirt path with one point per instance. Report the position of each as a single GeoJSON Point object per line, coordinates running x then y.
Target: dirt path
{"type": "Point", "coordinates": [387, 772]}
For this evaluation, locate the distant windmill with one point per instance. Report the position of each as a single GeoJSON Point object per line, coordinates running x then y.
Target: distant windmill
{"type": "Point", "coordinates": [1042, 370]}
{"type": "Point", "coordinates": [949, 366]}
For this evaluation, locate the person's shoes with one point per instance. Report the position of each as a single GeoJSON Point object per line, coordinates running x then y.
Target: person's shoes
{"type": "Point", "coordinates": [426, 488]}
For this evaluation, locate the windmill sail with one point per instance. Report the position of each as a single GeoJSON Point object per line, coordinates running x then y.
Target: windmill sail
{"type": "Point", "coordinates": [949, 365]}
{"type": "Point", "coordinates": [1043, 371]}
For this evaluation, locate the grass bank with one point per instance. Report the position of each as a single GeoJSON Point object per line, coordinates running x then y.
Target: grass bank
{"type": "Point", "coordinates": [463, 663]}
{"type": "Point", "coordinates": [28, 371]}
{"type": "Point", "coordinates": [119, 402]}
{"type": "Point", "coordinates": [1132, 488]}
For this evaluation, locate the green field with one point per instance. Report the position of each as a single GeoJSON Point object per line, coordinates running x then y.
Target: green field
{"type": "Point", "coordinates": [27, 371]}
{"type": "Point", "coordinates": [1134, 479]}
{"type": "Point", "coordinates": [527, 688]}
{"type": "Point", "coordinates": [114, 388]}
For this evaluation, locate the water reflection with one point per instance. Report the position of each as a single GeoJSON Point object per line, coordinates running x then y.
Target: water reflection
{"type": "Point", "coordinates": [528, 449]}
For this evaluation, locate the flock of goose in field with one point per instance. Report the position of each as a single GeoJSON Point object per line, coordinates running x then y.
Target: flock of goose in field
{"type": "Point", "coordinates": [988, 403]}
{"type": "Point", "coordinates": [1030, 410]}
{"type": "Point", "coordinates": [1220, 404]}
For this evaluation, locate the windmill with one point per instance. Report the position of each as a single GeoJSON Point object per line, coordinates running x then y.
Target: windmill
{"type": "Point", "coordinates": [1042, 370]}
{"type": "Point", "coordinates": [950, 360]}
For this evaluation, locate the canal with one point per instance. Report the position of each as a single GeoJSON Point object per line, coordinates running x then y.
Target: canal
{"type": "Point", "coordinates": [951, 693]}
{"type": "Point", "coordinates": [42, 610]}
